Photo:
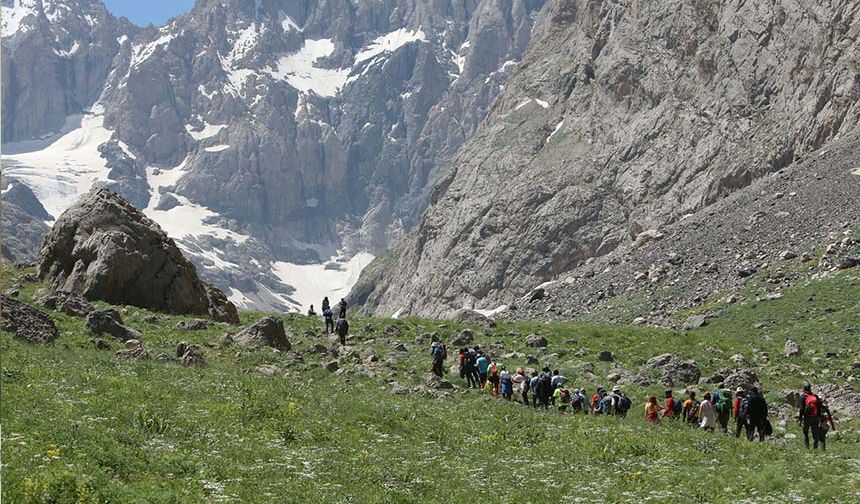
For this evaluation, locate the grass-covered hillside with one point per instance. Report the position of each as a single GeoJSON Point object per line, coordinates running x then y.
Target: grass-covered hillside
{"type": "Point", "coordinates": [80, 424]}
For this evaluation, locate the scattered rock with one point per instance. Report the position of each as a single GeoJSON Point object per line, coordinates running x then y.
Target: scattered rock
{"type": "Point", "coordinates": [193, 325]}
{"type": "Point", "coordinates": [466, 316]}
{"type": "Point", "coordinates": [787, 255]}
{"type": "Point", "coordinates": [536, 341]}
{"type": "Point", "coordinates": [640, 321]}
{"type": "Point", "coordinates": [27, 323]}
{"type": "Point", "coordinates": [332, 366]}
{"type": "Point", "coordinates": [109, 322]}
{"type": "Point", "coordinates": [536, 295]}
{"type": "Point", "coordinates": [267, 369]}
{"type": "Point", "coordinates": [792, 349]}
{"type": "Point", "coordinates": [151, 319]}
{"type": "Point", "coordinates": [673, 370]}
{"type": "Point", "coordinates": [744, 378]}
{"type": "Point", "coordinates": [464, 339]}
{"type": "Point", "coordinates": [266, 332]}
{"type": "Point", "coordinates": [398, 389]}
{"type": "Point", "coordinates": [646, 237]}
{"type": "Point", "coordinates": [605, 356]}
{"type": "Point", "coordinates": [102, 344]}
{"type": "Point", "coordinates": [738, 359]}
{"type": "Point", "coordinates": [133, 350]}
{"type": "Point", "coordinates": [433, 382]}
{"type": "Point", "coordinates": [67, 302]}
{"type": "Point", "coordinates": [392, 330]}
{"type": "Point", "coordinates": [190, 355]}
{"type": "Point", "coordinates": [695, 322]}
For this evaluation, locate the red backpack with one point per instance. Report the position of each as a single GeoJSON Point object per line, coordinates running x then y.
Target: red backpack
{"type": "Point", "coordinates": [811, 406]}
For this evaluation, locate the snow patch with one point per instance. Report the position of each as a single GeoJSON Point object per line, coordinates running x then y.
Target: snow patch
{"type": "Point", "coordinates": [217, 148]}
{"type": "Point", "coordinates": [141, 53]}
{"type": "Point", "coordinates": [208, 131]}
{"type": "Point", "coordinates": [239, 299]}
{"type": "Point", "coordinates": [856, 172]}
{"type": "Point", "coordinates": [523, 104]}
{"type": "Point", "coordinates": [542, 103]}
{"type": "Point", "coordinates": [557, 127]}
{"type": "Point", "coordinates": [70, 52]}
{"type": "Point", "coordinates": [122, 39]}
{"type": "Point", "coordinates": [126, 150]}
{"type": "Point", "coordinates": [299, 71]}
{"type": "Point", "coordinates": [62, 167]}
{"type": "Point", "coordinates": [314, 281]}
{"type": "Point", "coordinates": [14, 15]}
{"type": "Point", "coordinates": [493, 312]}
{"type": "Point", "coordinates": [396, 315]}
{"type": "Point", "coordinates": [188, 220]}
{"type": "Point", "coordinates": [390, 42]}
{"type": "Point", "coordinates": [288, 23]}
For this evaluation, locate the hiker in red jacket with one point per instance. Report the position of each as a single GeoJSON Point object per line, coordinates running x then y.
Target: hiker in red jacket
{"type": "Point", "coordinates": [809, 417]}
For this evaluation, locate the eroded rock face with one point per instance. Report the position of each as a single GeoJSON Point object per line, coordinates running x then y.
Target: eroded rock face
{"type": "Point", "coordinates": [104, 249]}
{"type": "Point", "coordinates": [27, 323]}
{"type": "Point", "coordinates": [624, 117]}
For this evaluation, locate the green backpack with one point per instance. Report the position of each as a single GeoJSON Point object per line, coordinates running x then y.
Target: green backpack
{"type": "Point", "coordinates": [724, 405]}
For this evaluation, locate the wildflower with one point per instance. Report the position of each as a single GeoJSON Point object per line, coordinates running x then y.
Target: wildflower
{"type": "Point", "coordinates": [53, 452]}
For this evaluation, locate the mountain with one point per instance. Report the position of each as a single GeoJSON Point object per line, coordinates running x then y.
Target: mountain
{"type": "Point", "coordinates": [282, 144]}
{"type": "Point", "coordinates": [623, 117]}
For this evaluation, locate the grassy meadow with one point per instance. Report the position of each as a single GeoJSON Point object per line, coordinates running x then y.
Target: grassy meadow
{"type": "Point", "coordinates": [80, 425]}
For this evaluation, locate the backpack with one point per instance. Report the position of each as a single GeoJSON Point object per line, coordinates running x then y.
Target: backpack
{"type": "Point", "coordinates": [811, 406]}
{"type": "Point", "coordinates": [595, 403]}
{"type": "Point", "coordinates": [565, 396]}
{"type": "Point", "coordinates": [544, 384]}
{"type": "Point", "coordinates": [576, 403]}
{"type": "Point", "coordinates": [677, 405]}
{"type": "Point", "coordinates": [724, 402]}
{"type": "Point", "coordinates": [745, 404]}
{"type": "Point", "coordinates": [444, 352]}
{"type": "Point", "coordinates": [623, 405]}
{"type": "Point", "coordinates": [693, 414]}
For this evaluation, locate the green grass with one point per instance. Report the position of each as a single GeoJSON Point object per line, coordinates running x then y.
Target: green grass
{"type": "Point", "coordinates": [80, 425]}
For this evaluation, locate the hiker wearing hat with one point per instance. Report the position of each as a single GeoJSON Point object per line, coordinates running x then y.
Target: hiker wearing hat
{"type": "Point", "coordinates": [740, 422]}
{"type": "Point", "coordinates": [620, 403]}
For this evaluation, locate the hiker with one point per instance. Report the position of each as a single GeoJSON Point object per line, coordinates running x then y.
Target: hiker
{"type": "Point", "coordinates": [579, 404]}
{"type": "Point", "coordinates": [652, 410]}
{"type": "Point", "coordinates": [471, 370]}
{"type": "Point", "coordinates": [483, 364]}
{"type": "Point", "coordinates": [810, 416]}
{"type": "Point", "coordinates": [506, 384]}
{"type": "Point", "coordinates": [311, 311]}
{"type": "Point", "coordinates": [673, 406]}
{"type": "Point", "coordinates": [342, 306]}
{"type": "Point", "coordinates": [494, 379]}
{"type": "Point", "coordinates": [342, 329]}
{"type": "Point", "coordinates": [557, 379]}
{"type": "Point", "coordinates": [544, 388]}
{"type": "Point", "coordinates": [754, 409]}
{"type": "Point", "coordinates": [521, 381]}
{"type": "Point", "coordinates": [690, 411]}
{"type": "Point", "coordinates": [722, 400]}
{"type": "Point", "coordinates": [533, 383]}
{"type": "Point", "coordinates": [706, 412]}
{"type": "Point", "coordinates": [329, 322]}
{"type": "Point", "coordinates": [740, 422]}
{"type": "Point", "coordinates": [461, 359]}
{"type": "Point", "coordinates": [437, 350]}
{"type": "Point", "coordinates": [561, 398]}
{"type": "Point", "coordinates": [325, 305]}
{"type": "Point", "coordinates": [595, 401]}
{"type": "Point", "coordinates": [827, 423]}
{"type": "Point", "coordinates": [620, 403]}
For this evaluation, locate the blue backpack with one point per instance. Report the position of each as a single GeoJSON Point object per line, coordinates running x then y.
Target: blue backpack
{"type": "Point", "coordinates": [677, 405]}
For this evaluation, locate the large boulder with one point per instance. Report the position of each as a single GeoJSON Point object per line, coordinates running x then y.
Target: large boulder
{"type": "Point", "coordinates": [466, 316]}
{"type": "Point", "coordinates": [744, 378]}
{"type": "Point", "coordinates": [465, 338]}
{"type": "Point", "coordinates": [536, 341]}
{"type": "Point", "coordinates": [103, 248]}
{"type": "Point", "coordinates": [266, 332]}
{"type": "Point", "coordinates": [69, 303]}
{"type": "Point", "coordinates": [673, 370]}
{"type": "Point", "coordinates": [26, 322]}
{"type": "Point", "coordinates": [109, 322]}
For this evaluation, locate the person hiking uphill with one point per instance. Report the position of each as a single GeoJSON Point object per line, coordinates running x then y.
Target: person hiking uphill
{"type": "Point", "coordinates": [544, 388]}
{"type": "Point", "coordinates": [810, 417]}
{"type": "Point", "coordinates": [673, 406]}
{"type": "Point", "coordinates": [754, 409]}
{"type": "Point", "coordinates": [707, 413]}
{"type": "Point", "coordinates": [329, 322]}
{"type": "Point", "coordinates": [561, 398]}
{"type": "Point", "coordinates": [437, 350]}
{"type": "Point", "coordinates": [652, 410]}
{"type": "Point", "coordinates": [521, 381]}
{"type": "Point", "coordinates": [341, 328]}
{"type": "Point", "coordinates": [740, 422]}
{"type": "Point", "coordinates": [619, 403]}
{"type": "Point", "coordinates": [722, 401]}
{"type": "Point", "coordinates": [827, 423]}
{"type": "Point", "coordinates": [342, 306]}
{"type": "Point", "coordinates": [483, 364]}
{"type": "Point", "coordinates": [690, 412]}
{"type": "Point", "coordinates": [470, 368]}
{"type": "Point", "coordinates": [533, 387]}
{"type": "Point", "coordinates": [507, 384]}
{"type": "Point", "coordinates": [325, 304]}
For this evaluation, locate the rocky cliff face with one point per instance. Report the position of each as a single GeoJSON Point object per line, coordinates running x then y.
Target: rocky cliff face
{"type": "Point", "coordinates": [271, 135]}
{"type": "Point", "coordinates": [623, 116]}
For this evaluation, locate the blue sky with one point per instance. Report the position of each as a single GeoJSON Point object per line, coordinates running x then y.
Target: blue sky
{"type": "Point", "coordinates": [143, 12]}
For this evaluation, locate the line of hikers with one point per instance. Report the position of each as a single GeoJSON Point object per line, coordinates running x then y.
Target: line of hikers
{"type": "Point", "coordinates": [748, 412]}
{"type": "Point", "coordinates": [341, 327]}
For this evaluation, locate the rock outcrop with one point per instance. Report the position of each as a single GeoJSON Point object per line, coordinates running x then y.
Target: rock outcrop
{"type": "Point", "coordinates": [69, 303]}
{"type": "Point", "coordinates": [104, 249]}
{"type": "Point", "coordinates": [266, 332]}
{"type": "Point", "coordinates": [27, 323]}
{"type": "Point", "coordinates": [624, 117]}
